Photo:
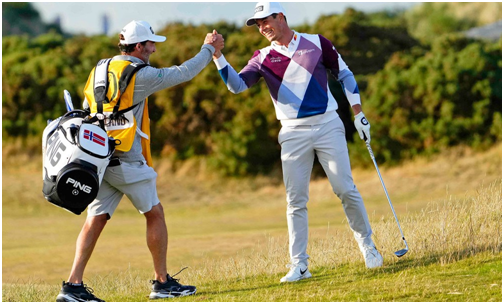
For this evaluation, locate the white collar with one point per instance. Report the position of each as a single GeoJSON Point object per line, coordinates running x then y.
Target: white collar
{"type": "Point", "coordinates": [294, 41]}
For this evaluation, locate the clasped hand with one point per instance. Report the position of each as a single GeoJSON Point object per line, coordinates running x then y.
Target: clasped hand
{"type": "Point", "coordinates": [217, 41]}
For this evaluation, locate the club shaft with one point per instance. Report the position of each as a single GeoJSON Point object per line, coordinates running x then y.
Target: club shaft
{"type": "Point", "coordinates": [385, 189]}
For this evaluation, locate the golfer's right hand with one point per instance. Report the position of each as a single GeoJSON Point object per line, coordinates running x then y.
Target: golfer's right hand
{"type": "Point", "coordinates": [363, 127]}
{"type": "Point", "coordinates": [218, 44]}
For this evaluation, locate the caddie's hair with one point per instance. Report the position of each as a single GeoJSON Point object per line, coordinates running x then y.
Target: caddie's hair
{"type": "Point", "coordinates": [127, 48]}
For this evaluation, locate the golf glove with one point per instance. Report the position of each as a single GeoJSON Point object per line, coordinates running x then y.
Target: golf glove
{"type": "Point", "coordinates": [362, 126]}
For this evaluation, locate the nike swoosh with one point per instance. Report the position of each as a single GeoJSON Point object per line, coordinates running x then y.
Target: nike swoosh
{"type": "Point", "coordinates": [303, 272]}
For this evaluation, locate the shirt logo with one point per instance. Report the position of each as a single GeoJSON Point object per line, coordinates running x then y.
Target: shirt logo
{"type": "Point", "coordinates": [302, 52]}
{"type": "Point", "coordinates": [259, 8]}
{"type": "Point", "coordinates": [94, 137]}
{"type": "Point", "coordinates": [276, 59]}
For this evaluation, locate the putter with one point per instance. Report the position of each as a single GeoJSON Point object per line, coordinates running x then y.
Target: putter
{"type": "Point", "coordinates": [68, 101]}
{"type": "Point", "coordinates": [401, 252]}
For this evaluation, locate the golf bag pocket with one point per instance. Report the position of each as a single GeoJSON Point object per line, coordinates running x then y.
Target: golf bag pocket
{"type": "Point", "coordinates": [75, 157]}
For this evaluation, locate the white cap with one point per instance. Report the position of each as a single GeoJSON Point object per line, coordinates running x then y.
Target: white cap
{"type": "Point", "coordinates": [263, 10]}
{"type": "Point", "coordinates": [139, 31]}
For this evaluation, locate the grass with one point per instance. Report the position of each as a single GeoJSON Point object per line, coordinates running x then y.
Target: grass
{"type": "Point", "coordinates": [232, 235]}
{"type": "Point", "coordinates": [474, 279]}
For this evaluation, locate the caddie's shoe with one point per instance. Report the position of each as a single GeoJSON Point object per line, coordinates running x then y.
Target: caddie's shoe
{"type": "Point", "coordinates": [170, 289]}
{"type": "Point", "coordinates": [76, 293]}
{"type": "Point", "coordinates": [296, 273]}
{"type": "Point", "coordinates": [372, 257]}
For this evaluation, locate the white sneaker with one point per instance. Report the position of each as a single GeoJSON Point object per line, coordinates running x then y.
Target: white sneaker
{"type": "Point", "coordinates": [372, 257]}
{"type": "Point", "coordinates": [296, 273]}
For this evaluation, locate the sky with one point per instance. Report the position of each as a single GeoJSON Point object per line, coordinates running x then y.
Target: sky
{"type": "Point", "coordinates": [86, 17]}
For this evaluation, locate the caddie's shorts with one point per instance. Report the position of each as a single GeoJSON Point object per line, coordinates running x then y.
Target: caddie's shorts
{"type": "Point", "coordinates": [135, 179]}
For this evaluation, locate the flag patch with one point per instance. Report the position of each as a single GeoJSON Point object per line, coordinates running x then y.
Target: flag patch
{"type": "Point", "coordinates": [89, 135]}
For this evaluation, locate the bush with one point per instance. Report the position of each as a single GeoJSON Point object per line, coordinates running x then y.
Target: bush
{"type": "Point", "coordinates": [426, 100]}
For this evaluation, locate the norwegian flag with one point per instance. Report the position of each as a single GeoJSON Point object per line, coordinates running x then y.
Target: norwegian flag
{"type": "Point", "coordinates": [94, 137]}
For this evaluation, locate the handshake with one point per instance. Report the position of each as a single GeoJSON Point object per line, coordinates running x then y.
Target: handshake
{"type": "Point", "coordinates": [217, 41]}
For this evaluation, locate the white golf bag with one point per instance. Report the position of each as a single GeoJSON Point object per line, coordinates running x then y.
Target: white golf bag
{"type": "Point", "coordinates": [76, 154]}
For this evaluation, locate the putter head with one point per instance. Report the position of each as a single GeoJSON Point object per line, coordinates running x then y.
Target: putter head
{"type": "Point", "coordinates": [401, 252]}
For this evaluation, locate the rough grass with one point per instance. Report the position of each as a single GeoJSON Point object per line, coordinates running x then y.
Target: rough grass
{"type": "Point", "coordinates": [474, 279]}
{"type": "Point", "coordinates": [232, 235]}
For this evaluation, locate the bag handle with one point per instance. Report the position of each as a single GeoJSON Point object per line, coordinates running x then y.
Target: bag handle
{"type": "Point", "coordinates": [101, 86]}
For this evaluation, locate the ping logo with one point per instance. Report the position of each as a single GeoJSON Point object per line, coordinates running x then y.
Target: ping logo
{"type": "Point", "coordinates": [78, 185]}
{"type": "Point", "coordinates": [54, 149]}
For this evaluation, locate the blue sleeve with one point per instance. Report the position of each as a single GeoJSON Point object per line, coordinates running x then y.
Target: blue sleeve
{"type": "Point", "coordinates": [235, 82]}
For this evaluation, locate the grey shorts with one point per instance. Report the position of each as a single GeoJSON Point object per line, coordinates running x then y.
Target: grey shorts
{"type": "Point", "coordinates": [136, 180]}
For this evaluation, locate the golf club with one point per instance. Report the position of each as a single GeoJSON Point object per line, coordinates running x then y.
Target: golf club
{"type": "Point", "coordinates": [68, 101]}
{"type": "Point", "coordinates": [401, 252]}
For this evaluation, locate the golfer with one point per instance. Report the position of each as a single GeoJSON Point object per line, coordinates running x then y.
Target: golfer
{"type": "Point", "coordinates": [295, 68]}
{"type": "Point", "coordinates": [130, 171]}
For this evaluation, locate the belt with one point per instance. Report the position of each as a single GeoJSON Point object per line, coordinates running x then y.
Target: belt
{"type": "Point", "coordinates": [114, 162]}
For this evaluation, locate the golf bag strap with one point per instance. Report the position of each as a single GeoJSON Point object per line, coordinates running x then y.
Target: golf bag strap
{"type": "Point", "coordinates": [124, 81]}
{"type": "Point", "coordinates": [118, 114]}
{"type": "Point", "coordinates": [101, 85]}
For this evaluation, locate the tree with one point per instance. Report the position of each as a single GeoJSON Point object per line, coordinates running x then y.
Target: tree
{"type": "Point", "coordinates": [22, 18]}
{"type": "Point", "coordinates": [426, 100]}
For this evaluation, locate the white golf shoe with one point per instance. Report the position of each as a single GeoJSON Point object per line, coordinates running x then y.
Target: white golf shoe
{"type": "Point", "coordinates": [372, 257]}
{"type": "Point", "coordinates": [296, 273]}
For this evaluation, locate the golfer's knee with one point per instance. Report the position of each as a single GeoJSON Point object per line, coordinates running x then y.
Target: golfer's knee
{"type": "Point", "coordinates": [296, 201]}
{"type": "Point", "coordinates": [349, 196]}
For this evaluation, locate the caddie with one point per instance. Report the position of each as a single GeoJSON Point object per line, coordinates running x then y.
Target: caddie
{"type": "Point", "coordinates": [130, 172]}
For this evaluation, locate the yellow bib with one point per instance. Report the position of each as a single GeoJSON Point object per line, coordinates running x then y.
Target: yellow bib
{"type": "Point", "coordinates": [125, 128]}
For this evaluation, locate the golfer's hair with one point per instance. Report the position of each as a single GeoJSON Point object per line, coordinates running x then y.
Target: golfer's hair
{"type": "Point", "coordinates": [275, 15]}
{"type": "Point", "coordinates": [127, 48]}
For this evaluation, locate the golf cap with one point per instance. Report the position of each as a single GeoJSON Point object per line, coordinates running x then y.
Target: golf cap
{"type": "Point", "coordinates": [263, 10]}
{"type": "Point", "coordinates": [139, 31]}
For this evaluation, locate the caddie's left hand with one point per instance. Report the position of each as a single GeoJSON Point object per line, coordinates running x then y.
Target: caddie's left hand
{"type": "Point", "coordinates": [362, 125]}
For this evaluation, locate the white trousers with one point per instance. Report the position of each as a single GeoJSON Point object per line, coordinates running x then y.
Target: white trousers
{"type": "Point", "coordinates": [299, 145]}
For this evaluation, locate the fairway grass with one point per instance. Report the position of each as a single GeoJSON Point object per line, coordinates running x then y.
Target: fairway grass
{"type": "Point", "coordinates": [474, 279]}
{"type": "Point", "coordinates": [232, 235]}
